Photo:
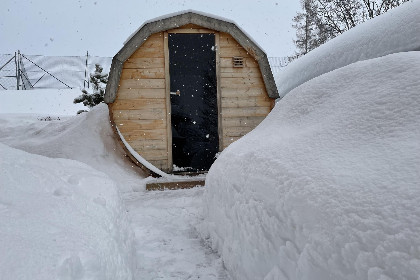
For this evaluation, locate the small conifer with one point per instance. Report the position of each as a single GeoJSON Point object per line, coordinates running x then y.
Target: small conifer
{"type": "Point", "coordinates": [98, 81]}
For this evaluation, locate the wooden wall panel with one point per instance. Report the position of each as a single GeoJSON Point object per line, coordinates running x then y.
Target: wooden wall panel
{"type": "Point", "coordinates": [140, 93]}
{"type": "Point", "coordinates": [142, 83]}
{"type": "Point", "coordinates": [128, 125]}
{"type": "Point", "coordinates": [143, 63]}
{"type": "Point", "coordinates": [155, 144]}
{"type": "Point", "coordinates": [161, 164]}
{"type": "Point", "coordinates": [140, 104]}
{"type": "Point", "coordinates": [139, 110]}
{"type": "Point", "coordinates": [245, 102]}
{"type": "Point", "coordinates": [237, 102]}
{"type": "Point", "coordinates": [146, 114]}
{"type": "Point", "coordinates": [246, 112]}
{"type": "Point", "coordinates": [148, 73]}
{"type": "Point", "coordinates": [226, 62]}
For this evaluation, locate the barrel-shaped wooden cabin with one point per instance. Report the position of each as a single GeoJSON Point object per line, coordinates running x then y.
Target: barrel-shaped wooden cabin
{"type": "Point", "coordinates": [184, 87]}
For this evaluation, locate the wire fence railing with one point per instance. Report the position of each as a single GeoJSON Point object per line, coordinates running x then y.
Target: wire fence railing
{"type": "Point", "coordinates": [8, 71]}
{"type": "Point", "coordinates": [278, 63]}
{"type": "Point", "coordinates": [25, 72]}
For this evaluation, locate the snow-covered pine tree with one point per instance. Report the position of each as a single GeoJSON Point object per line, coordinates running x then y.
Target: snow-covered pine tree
{"type": "Point", "coordinates": [98, 80]}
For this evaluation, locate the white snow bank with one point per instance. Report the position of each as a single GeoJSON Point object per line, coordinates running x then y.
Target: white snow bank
{"type": "Point", "coordinates": [60, 219]}
{"type": "Point", "coordinates": [40, 101]}
{"type": "Point", "coordinates": [87, 138]}
{"type": "Point", "coordinates": [396, 31]}
{"type": "Point", "coordinates": [328, 185]}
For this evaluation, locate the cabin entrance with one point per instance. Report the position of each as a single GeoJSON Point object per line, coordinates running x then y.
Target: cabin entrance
{"type": "Point", "coordinates": [194, 113]}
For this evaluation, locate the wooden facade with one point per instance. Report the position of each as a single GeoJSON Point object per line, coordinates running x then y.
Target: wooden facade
{"type": "Point", "coordinates": [141, 109]}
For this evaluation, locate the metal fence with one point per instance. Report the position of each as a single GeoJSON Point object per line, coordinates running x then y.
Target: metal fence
{"type": "Point", "coordinates": [8, 71]}
{"type": "Point", "coordinates": [278, 63]}
{"type": "Point", "coordinates": [25, 72]}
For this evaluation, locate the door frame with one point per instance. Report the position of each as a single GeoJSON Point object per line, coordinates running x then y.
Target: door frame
{"type": "Point", "coordinates": [168, 87]}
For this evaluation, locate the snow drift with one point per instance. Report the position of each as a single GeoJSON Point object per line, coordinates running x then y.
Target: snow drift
{"type": "Point", "coordinates": [328, 185]}
{"type": "Point", "coordinates": [393, 32]}
{"type": "Point", "coordinates": [60, 219]}
{"type": "Point", "coordinates": [87, 138]}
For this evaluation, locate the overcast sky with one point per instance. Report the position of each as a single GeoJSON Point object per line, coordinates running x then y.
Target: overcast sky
{"type": "Point", "coordinates": [71, 27]}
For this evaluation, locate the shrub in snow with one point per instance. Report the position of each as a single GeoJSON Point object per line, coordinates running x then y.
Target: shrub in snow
{"type": "Point", "coordinates": [81, 111]}
{"type": "Point", "coordinates": [98, 80]}
{"type": "Point", "coordinates": [328, 185]}
{"type": "Point", "coordinates": [48, 119]}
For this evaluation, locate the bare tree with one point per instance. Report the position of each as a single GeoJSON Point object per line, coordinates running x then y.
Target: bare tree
{"type": "Point", "coordinates": [322, 20]}
{"type": "Point", "coordinates": [303, 26]}
{"type": "Point", "coordinates": [374, 8]}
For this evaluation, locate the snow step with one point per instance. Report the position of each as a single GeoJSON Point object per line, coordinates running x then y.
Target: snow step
{"type": "Point", "coordinates": [174, 185]}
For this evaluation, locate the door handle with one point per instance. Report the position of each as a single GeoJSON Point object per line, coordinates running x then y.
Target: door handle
{"type": "Point", "coordinates": [176, 93]}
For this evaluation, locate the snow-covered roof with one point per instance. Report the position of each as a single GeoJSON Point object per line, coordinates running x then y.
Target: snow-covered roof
{"type": "Point", "coordinates": [176, 20]}
{"type": "Point", "coordinates": [396, 31]}
{"type": "Point", "coordinates": [159, 18]}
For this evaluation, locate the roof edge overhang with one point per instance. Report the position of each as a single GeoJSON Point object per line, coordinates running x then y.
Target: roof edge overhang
{"type": "Point", "coordinates": [177, 20]}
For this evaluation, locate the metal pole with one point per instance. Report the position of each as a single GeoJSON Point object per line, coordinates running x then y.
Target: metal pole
{"type": "Point", "coordinates": [17, 62]}
{"type": "Point", "coordinates": [86, 67]}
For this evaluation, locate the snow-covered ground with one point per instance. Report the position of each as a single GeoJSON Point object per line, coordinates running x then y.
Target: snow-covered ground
{"type": "Point", "coordinates": [70, 201]}
{"type": "Point", "coordinates": [168, 244]}
{"type": "Point", "coordinates": [60, 219]}
{"type": "Point", "coordinates": [328, 185]}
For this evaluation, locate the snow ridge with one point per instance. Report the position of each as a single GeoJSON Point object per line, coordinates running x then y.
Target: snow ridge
{"type": "Point", "coordinates": [328, 186]}
{"type": "Point", "coordinates": [393, 32]}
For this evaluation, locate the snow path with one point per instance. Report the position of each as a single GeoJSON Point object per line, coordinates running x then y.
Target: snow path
{"type": "Point", "coordinates": [167, 243]}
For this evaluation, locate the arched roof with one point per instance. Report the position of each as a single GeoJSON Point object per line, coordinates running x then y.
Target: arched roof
{"type": "Point", "coordinates": [174, 21]}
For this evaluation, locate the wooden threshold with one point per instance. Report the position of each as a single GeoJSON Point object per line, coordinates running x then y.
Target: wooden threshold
{"type": "Point", "coordinates": [174, 185]}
